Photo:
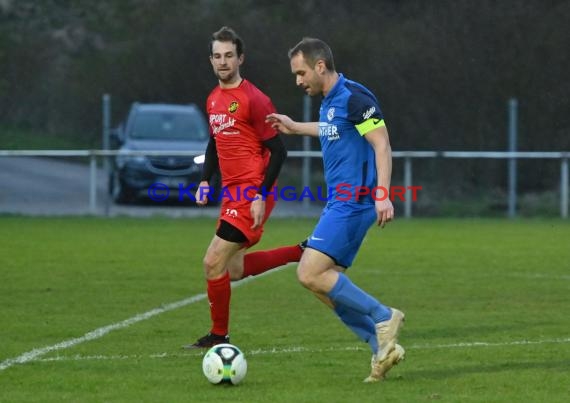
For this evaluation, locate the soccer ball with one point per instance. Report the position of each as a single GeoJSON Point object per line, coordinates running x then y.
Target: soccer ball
{"type": "Point", "coordinates": [224, 363]}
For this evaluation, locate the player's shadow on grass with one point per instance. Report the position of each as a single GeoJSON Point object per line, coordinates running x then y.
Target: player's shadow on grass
{"type": "Point", "coordinates": [458, 371]}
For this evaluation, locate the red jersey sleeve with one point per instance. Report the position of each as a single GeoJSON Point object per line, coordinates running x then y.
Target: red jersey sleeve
{"type": "Point", "coordinates": [261, 106]}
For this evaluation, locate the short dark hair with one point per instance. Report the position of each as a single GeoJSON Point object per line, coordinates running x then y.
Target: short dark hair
{"type": "Point", "coordinates": [313, 50]}
{"type": "Point", "coordinates": [226, 34]}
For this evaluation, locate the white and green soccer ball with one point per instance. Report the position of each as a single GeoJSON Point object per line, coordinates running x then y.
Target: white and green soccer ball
{"type": "Point", "coordinates": [224, 363]}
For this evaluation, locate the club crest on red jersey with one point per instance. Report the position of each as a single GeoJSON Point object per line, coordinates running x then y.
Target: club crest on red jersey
{"type": "Point", "coordinates": [233, 107]}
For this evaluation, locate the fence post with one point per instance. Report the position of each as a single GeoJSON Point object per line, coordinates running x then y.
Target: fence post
{"type": "Point", "coordinates": [106, 107]}
{"type": "Point", "coordinates": [306, 147]}
{"type": "Point", "coordinates": [513, 106]}
{"type": "Point", "coordinates": [92, 183]}
{"type": "Point", "coordinates": [564, 187]}
{"type": "Point", "coordinates": [407, 184]}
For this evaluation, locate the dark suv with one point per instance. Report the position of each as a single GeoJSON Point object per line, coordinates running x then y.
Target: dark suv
{"type": "Point", "coordinates": [167, 127]}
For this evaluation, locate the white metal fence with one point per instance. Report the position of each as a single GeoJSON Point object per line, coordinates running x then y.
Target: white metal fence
{"type": "Point", "coordinates": [407, 156]}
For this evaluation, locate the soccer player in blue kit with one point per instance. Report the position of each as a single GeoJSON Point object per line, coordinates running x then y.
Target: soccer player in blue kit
{"type": "Point", "coordinates": [356, 155]}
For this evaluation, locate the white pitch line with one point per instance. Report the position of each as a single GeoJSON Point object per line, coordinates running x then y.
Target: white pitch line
{"type": "Point", "coordinates": [102, 331]}
{"type": "Point", "coordinates": [97, 333]}
{"type": "Point", "coordinates": [486, 344]}
{"type": "Point", "coordinates": [300, 349]}
{"type": "Point", "coordinates": [34, 354]}
{"type": "Point", "coordinates": [540, 276]}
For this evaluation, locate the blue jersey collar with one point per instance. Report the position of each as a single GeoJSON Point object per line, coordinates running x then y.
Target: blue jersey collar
{"type": "Point", "coordinates": [339, 83]}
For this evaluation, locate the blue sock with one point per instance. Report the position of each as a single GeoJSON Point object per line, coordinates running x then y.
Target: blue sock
{"type": "Point", "coordinates": [346, 293]}
{"type": "Point", "coordinates": [361, 325]}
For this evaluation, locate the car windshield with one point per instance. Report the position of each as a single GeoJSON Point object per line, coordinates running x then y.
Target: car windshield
{"type": "Point", "coordinates": [169, 125]}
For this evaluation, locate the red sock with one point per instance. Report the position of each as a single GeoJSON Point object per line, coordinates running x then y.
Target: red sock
{"type": "Point", "coordinates": [255, 263]}
{"type": "Point", "coordinates": [219, 293]}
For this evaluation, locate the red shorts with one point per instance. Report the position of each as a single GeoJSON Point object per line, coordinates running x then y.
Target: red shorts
{"type": "Point", "coordinates": [235, 210]}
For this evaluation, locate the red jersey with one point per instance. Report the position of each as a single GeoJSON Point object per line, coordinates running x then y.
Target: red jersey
{"type": "Point", "coordinates": [237, 122]}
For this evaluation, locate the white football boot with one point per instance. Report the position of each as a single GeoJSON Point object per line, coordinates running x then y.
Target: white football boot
{"type": "Point", "coordinates": [381, 368]}
{"type": "Point", "coordinates": [387, 334]}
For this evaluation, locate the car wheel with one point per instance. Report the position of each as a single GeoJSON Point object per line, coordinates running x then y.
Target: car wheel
{"type": "Point", "coordinates": [121, 193]}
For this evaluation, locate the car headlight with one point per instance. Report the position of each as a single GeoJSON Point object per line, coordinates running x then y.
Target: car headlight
{"type": "Point", "coordinates": [123, 159]}
{"type": "Point", "coordinates": [199, 159]}
{"type": "Point", "coordinates": [138, 159]}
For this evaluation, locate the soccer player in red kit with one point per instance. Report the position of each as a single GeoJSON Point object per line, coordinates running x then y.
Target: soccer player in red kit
{"type": "Point", "coordinates": [249, 153]}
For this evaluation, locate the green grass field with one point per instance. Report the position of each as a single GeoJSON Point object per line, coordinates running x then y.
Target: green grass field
{"type": "Point", "coordinates": [96, 310]}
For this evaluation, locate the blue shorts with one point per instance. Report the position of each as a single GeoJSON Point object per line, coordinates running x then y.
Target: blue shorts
{"type": "Point", "coordinates": [341, 230]}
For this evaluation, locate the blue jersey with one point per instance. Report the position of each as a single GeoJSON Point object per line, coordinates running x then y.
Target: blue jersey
{"type": "Point", "coordinates": [348, 158]}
